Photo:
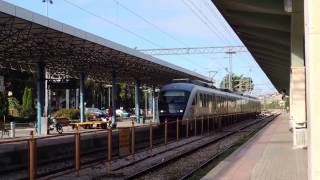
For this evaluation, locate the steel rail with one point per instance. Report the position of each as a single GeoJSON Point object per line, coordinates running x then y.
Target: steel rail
{"type": "Point", "coordinates": [214, 140]}
{"type": "Point", "coordinates": [212, 158]}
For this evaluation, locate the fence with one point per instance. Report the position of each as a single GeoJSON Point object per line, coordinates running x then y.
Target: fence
{"type": "Point", "coordinates": [140, 138]}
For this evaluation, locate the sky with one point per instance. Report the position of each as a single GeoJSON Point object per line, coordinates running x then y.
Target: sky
{"type": "Point", "coordinates": [151, 24]}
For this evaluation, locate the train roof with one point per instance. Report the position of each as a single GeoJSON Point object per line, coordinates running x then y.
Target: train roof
{"type": "Point", "coordinates": [188, 86]}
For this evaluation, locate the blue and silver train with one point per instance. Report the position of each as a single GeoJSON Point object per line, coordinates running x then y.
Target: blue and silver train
{"type": "Point", "coordinates": [191, 99]}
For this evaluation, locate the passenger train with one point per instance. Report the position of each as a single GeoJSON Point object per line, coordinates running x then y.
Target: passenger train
{"type": "Point", "coordinates": [185, 99]}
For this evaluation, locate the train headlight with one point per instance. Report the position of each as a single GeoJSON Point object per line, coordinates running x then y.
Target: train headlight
{"type": "Point", "coordinates": [161, 111]}
{"type": "Point", "coordinates": [181, 111]}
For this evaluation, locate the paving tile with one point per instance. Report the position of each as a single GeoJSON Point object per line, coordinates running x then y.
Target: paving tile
{"type": "Point", "coordinates": [268, 156]}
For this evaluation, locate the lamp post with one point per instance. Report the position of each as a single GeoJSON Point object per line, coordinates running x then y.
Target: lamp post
{"type": "Point", "coordinates": [47, 2]}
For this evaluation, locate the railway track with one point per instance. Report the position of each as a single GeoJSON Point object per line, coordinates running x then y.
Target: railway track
{"type": "Point", "coordinates": [176, 160]}
{"type": "Point", "coordinates": [211, 159]}
{"type": "Point", "coordinates": [188, 163]}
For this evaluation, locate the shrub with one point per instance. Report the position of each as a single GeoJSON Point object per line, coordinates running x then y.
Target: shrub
{"type": "Point", "coordinates": [68, 113]}
{"type": "Point", "coordinates": [88, 116]}
{"type": "Point", "coordinates": [15, 109]}
{"type": "Point", "coordinates": [27, 102]}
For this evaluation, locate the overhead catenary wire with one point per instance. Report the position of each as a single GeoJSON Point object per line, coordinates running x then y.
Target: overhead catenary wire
{"type": "Point", "coordinates": [150, 23]}
{"type": "Point", "coordinates": [118, 26]}
{"type": "Point", "coordinates": [199, 16]}
{"type": "Point", "coordinates": [209, 21]}
{"type": "Point", "coordinates": [113, 23]}
{"type": "Point", "coordinates": [205, 23]}
{"type": "Point", "coordinates": [132, 32]}
{"type": "Point", "coordinates": [155, 26]}
{"type": "Point", "coordinates": [227, 29]}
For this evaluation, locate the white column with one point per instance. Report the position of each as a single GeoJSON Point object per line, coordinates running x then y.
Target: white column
{"type": "Point", "coordinates": [312, 50]}
{"type": "Point", "coordinates": [297, 77]}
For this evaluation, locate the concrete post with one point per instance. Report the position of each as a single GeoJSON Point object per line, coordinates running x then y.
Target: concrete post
{"type": "Point", "coordinates": [297, 77]}
{"type": "Point", "coordinates": [40, 94]}
{"type": "Point", "coordinates": [67, 98]}
{"type": "Point", "coordinates": [312, 41]}
{"type": "Point", "coordinates": [137, 99]}
{"type": "Point", "coordinates": [82, 108]}
{"type": "Point", "coordinates": [114, 98]}
{"type": "Point", "coordinates": [12, 130]}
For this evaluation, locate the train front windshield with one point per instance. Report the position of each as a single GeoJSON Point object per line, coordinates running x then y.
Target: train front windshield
{"type": "Point", "coordinates": [173, 102]}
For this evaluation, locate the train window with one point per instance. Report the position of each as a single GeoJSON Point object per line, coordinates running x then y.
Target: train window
{"type": "Point", "coordinates": [206, 100]}
{"type": "Point", "coordinates": [214, 106]}
{"type": "Point", "coordinates": [209, 103]}
{"type": "Point", "coordinates": [173, 102]}
{"type": "Point", "coordinates": [194, 101]}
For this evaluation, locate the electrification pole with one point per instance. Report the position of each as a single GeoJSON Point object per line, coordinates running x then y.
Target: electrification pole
{"type": "Point", "coordinates": [230, 53]}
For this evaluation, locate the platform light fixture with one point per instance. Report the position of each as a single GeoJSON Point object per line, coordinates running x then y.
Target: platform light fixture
{"type": "Point", "coordinates": [47, 1]}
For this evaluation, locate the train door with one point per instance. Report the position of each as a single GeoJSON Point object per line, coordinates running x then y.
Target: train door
{"type": "Point", "coordinates": [192, 109]}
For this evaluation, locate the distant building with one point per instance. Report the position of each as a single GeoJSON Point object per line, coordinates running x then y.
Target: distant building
{"type": "Point", "coordinates": [274, 99]}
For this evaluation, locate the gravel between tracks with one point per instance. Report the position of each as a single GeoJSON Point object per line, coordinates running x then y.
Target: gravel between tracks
{"type": "Point", "coordinates": [179, 168]}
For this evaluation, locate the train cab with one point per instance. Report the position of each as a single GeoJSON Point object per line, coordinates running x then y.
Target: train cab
{"type": "Point", "coordinates": [173, 101]}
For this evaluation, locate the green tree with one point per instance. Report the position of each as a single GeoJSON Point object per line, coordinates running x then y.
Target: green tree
{"type": "Point", "coordinates": [125, 95]}
{"type": "Point", "coordinates": [24, 98]}
{"type": "Point", "coordinates": [27, 102]}
{"type": "Point", "coordinates": [15, 109]}
{"type": "Point", "coordinates": [4, 105]}
{"type": "Point", "coordinates": [239, 83]}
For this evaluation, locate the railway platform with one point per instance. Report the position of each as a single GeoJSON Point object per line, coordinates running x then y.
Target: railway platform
{"type": "Point", "coordinates": [267, 156]}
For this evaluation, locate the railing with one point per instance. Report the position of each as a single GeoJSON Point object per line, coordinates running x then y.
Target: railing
{"type": "Point", "coordinates": [178, 129]}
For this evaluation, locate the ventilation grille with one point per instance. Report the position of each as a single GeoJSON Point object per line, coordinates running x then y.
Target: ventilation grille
{"type": "Point", "coordinates": [301, 138]}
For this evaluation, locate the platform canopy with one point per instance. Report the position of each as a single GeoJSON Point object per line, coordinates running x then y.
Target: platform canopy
{"type": "Point", "coordinates": [264, 28]}
{"type": "Point", "coordinates": [27, 38]}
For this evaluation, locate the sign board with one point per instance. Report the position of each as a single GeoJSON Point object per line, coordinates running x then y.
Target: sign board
{"type": "Point", "coordinates": [124, 141]}
{"type": "Point", "coordinates": [2, 84]}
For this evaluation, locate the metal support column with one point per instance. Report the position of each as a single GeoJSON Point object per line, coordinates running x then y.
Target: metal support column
{"type": "Point", "coordinates": [67, 98]}
{"type": "Point", "coordinates": [40, 94]}
{"type": "Point", "coordinates": [153, 105]}
{"type": "Point", "coordinates": [77, 98]}
{"type": "Point", "coordinates": [114, 98]}
{"type": "Point", "coordinates": [109, 96]}
{"type": "Point", "coordinates": [47, 100]}
{"type": "Point", "coordinates": [146, 94]}
{"type": "Point", "coordinates": [82, 110]}
{"type": "Point", "coordinates": [137, 99]}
